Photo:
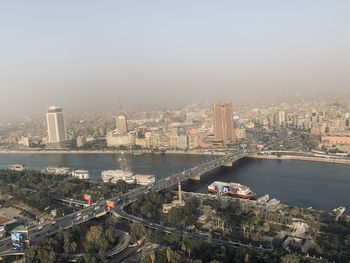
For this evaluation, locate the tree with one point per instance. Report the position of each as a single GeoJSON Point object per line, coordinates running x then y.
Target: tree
{"type": "Point", "coordinates": [174, 216]}
{"type": "Point", "coordinates": [290, 258]}
{"type": "Point", "coordinates": [173, 256]}
{"type": "Point", "coordinates": [96, 240]}
{"type": "Point", "coordinates": [87, 258]}
{"type": "Point", "coordinates": [240, 254]}
{"type": "Point", "coordinates": [137, 232]}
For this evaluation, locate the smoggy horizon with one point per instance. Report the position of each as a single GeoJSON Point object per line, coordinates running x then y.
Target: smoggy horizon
{"type": "Point", "coordinates": [86, 56]}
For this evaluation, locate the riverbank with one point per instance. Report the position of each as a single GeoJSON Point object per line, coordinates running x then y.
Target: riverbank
{"type": "Point", "coordinates": [302, 158]}
{"type": "Point", "coordinates": [105, 152]}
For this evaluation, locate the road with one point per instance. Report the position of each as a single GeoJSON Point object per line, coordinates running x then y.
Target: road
{"type": "Point", "coordinates": [119, 212]}
{"type": "Point", "coordinates": [38, 233]}
{"type": "Point", "coordinates": [124, 240]}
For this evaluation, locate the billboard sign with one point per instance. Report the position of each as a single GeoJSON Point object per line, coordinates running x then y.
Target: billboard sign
{"type": "Point", "coordinates": [87, 197]}
{"type": "Point", "coordinates": [110, 204]}
{"type": "Point", "coordinates": [17, 237]}
{"type": "Point", "coordinates": [18, 247]}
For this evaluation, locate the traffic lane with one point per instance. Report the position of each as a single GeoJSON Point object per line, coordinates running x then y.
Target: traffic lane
{"type": "Point", "coordinates": [62, 223]}
{"type": "Point", "coordinates": [5, 240]}
{"type": "Point", "coordinates": [5, 246]}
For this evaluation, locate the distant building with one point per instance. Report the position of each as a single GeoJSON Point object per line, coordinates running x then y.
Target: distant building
{"type": "Point", "coordinates": [122, 125]}
{"type": "Point", "coordinates": [152, 139]}
{"type": "Point", "coordinates": [223, 122]}
{"type": "Point", "coordinates": [120, 136]}
{"type": "Point", "coordinates": [81, 141]}
{"type": "Point", "coordinates": [279, 119]}
{"type": "Point", "coordinates": [141, 142]}
{"type": "Point", "coordinates": [240, 132]}
{"type": "Point", "coordinates": [336, 138]}
{"type": "Point", "coordinates": [56, 128]}
{"type": "Point", "coordinates": [193, 139]}
{"type": "Point", "coordinates": [182, 143]}
{"type": "Point", "coordinates": [25, 141]}
{"type": "Point", "coordinates": [114, 139]}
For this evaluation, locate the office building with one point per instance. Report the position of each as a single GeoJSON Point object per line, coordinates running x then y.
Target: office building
{"type": "Point", "coordinates": [279, 119]}
{"type": "Point", "coordinates": [122, 126]}
{"type": "Point", "coordinates": [182, 142]}
{"type": "Point", "coordinates": [56, 128]}
{"type": "Point", "coordinates": [223, 122]}
{"type": "Point", "coordinates": [116, 140]}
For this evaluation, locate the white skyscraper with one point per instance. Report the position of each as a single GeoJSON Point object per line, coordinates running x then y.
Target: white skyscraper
{"type": "Point", "coordinates": [55, 126]}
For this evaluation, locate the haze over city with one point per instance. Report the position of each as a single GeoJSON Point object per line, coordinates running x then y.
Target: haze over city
{"type": "Point", "coordinates": [85, 55]}
{"type": "Point", "coordinates": [175, 131]}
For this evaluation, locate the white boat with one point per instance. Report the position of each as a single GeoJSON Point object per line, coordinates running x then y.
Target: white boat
{"type": "Point", "coordinates": [57, 170]}
{"type": "Point", "coordinates": [231, 189]}
{"type": "Point", "coordinates": [144, 179]}
{"type": "Point", "coordinates": [81, 174]}
{"type": "Point", "coordinates": [17, 167]}
{"type": "Point", "coordinates": [263, 199]}
{"type": "Point", "coordinates": [115, 175]}
{"type": "Point", "coordinates": [339, 211]}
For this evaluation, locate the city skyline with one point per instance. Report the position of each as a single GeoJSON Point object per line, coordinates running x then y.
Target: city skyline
{"type": "Point", "coordinates": [107, 107]}
{"type": "Point", "coordinates": [172, 54]}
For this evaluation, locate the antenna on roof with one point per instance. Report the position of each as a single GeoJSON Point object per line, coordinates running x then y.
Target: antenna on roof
{"type": "Point", "coordinates": [120, 104]}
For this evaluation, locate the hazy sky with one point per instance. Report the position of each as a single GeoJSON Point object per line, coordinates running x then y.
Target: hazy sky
{"type": "Point", "coordinates": [85, 55]}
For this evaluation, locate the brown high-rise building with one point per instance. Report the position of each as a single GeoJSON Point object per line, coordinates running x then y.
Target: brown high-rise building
{"type": "Point", "coordinates": [223, 122]}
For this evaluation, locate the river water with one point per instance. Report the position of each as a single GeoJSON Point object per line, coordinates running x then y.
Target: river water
{"type": "Point", "coordinates": [300, 183]}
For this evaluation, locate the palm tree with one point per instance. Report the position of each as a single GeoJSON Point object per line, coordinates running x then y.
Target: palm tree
{"type": "Point", "coordinates": [244, 227]}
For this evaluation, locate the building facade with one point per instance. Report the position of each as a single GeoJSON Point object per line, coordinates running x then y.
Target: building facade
{"type": "Point", "coordinates": [223, 122]}
{"type": "Point", "coordinates": [122, 125]}
{"type": "Point", "coordinates": [56, 128]}
{"type": "Point", "coordinates": [279, 119]}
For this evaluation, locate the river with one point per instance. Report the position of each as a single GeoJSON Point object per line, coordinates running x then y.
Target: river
{"type": "Point", "coordinates": [298, 183]}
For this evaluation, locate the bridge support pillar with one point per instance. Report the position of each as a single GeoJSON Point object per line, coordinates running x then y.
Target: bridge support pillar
{"type": "Point", "coordinates": [228, 164]}
{"type": "Point", "coordinates": [196, 177]}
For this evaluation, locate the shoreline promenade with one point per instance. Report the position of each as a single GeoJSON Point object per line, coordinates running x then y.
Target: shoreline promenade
{"type": "Point", "coordinates": [205, 153]}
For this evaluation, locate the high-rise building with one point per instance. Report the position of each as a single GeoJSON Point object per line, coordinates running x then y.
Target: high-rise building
{"type": "Point", "coordinates": [55, 126]}
{"type": "Point", "coordinates": [122, 126]}
{"type": "Point", "coordinates": [223, 122]}
{"type": "Point", "coordinates": [279, 119]}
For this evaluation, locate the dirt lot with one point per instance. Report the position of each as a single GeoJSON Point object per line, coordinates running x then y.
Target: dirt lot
{"type": "Point", "coordinates": [4, 220]}
{"type": "Point", "coordinates": [9, 215]}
